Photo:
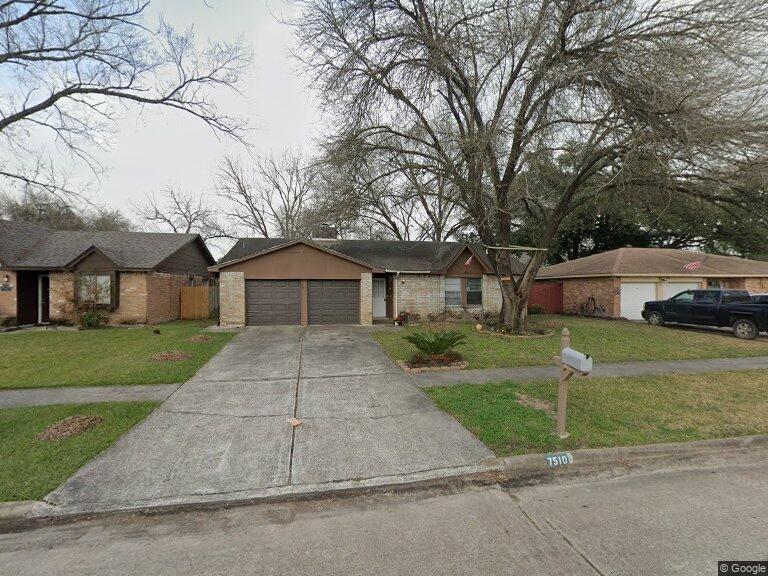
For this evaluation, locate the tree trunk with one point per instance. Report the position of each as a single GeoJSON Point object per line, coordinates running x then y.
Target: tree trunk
{"type": "Point", "coordinates": [516, 293]}
{"type": "Point", "coordinates": [514, 309]}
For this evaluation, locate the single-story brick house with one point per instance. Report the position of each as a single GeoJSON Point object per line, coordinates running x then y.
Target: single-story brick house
{"type": "Point", "coordinates": [278, 281]}
{"type": "Point", "coordinates": [621, 281]}
{"type": "Point", "coordinates": [136, 276]}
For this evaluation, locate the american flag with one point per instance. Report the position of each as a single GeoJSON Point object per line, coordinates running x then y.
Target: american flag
{"type": "Point", "coordinates": [468, 263]}
{"type": "Point", "coordinates": [692, 266]}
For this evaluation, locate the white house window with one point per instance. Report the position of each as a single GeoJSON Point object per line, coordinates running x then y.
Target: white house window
{"type": "Point", "coordinates": [474, 291]}
{"type": "Point", "coordinates": [95, 289]}
{"type": "Point", "coordinates": [453, 291]}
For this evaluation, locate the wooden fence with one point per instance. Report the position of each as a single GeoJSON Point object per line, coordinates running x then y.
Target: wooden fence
{"type": "Point", "coordinates": [199, 302]}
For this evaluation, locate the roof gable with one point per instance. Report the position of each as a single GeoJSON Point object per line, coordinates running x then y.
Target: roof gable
{"type": "Point", "coordinates": [284, 245]}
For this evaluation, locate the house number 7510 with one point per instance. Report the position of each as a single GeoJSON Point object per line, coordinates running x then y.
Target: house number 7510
{"type": "Point", "coordinates": [559, 459]}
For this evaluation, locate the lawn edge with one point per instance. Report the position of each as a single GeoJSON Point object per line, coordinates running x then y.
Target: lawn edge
{"type": "Point", "coordinates": [509, 472]}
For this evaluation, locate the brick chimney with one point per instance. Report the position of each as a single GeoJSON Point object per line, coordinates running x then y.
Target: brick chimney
{"type": "Point", "coordinates": [325, 232]}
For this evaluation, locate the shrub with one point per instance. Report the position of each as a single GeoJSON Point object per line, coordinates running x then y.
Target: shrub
{"type": "Point", "coordinates": [536, 309]}
{"type": "Point", "coordinates": [407, 316]}
{"type": "Point", "coordinates": [435, 343]}
{"type": "Point", "coordinates": [92, 318]}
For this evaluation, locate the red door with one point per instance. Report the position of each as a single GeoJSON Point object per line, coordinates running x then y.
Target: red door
{"type": "Point", "coordinates": [548, 295]}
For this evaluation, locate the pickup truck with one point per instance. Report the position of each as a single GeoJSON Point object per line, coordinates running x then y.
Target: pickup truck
{"type": "Point", "coordinates": [734, 308]}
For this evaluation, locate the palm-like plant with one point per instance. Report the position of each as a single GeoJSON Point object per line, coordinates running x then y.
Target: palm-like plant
{"type": "Point", "coordinates": [435, 343]}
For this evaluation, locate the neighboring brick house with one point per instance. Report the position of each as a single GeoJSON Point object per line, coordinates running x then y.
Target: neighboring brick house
{"type": "Point", "coordinates": [278, 281]}
{"type": "Point", "coordinates": [617, 283]}
{"type": "Point", "coordinates": [135, 276]}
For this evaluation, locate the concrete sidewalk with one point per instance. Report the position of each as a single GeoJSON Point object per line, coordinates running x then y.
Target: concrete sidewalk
{"type": "Point", "coordinates": [227, 433]}
{"type": "Point", "coordinates": [427, 379]}
{"type": "Point", "coordinates": [85, 395]}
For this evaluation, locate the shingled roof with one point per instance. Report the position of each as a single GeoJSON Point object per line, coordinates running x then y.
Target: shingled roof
{"type": "Point", "coordinates": [395, 255]}
{"type": "Point", "coordinates": [654, 262]}
{"type": "Point", "coordinates": [16, 238]}
{"type": "Point", "coordinates": [50, 250]}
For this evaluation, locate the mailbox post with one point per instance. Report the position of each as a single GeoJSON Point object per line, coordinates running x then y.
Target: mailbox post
{"type": "Point", "coordinates": [571, 363]}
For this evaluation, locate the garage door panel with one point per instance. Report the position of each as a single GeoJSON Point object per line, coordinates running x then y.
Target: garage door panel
{"type": "Point", "coordinates": [334, 301]}
{"type": "Point", "coordinates": [633, 296]}
{"type": "Point", "coordinates": [273, 302]}
{"type": "Point", "coordinates": [671, 289]}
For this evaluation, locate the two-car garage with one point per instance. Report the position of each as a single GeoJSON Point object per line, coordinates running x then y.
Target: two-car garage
{"type": "Point", "coordinates": [296, 283]}
{"type": "Point", "coordinates": [270, 302]}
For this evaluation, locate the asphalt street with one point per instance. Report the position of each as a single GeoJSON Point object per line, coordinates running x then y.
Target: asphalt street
{"type": "Point", "coordinates": [668, 521]}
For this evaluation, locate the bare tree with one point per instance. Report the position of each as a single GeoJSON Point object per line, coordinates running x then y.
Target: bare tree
{"type": "Point", "coordinates": [182, 213]}
{"type": "Point", "coordinates": [477, 90]}
{"type": "Point", "coordinates": [68, 66]}
{"type": "Point", "coordinates": [389, 195]}
{"type": "Point", "coordinates": [274, 198]}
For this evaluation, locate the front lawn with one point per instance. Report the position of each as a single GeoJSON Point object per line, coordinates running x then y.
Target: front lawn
{"type": "Point", "coordinates": [108, 356]}
{"type": "Point", "coordinates": [605, 340]}
{"type": "Point", "coordinates": [514, 418]}
{"type": "Point", "coordinates": [31, 468]}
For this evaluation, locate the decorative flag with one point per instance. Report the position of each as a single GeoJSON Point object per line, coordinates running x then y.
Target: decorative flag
{"type": "Point", "coordinates": [468, 263]}
{"type": "Point", "coordinates": [692, 266]}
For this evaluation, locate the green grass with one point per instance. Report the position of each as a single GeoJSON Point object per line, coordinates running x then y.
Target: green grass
{"type": "Point", "coordinates": [605, 340]}
{"type": "Point", "coordinates": [108, 356]}
{"type": "Point", "coordinates": [31, 468]}
{"type": "Point", "coordinates": [605, 412]}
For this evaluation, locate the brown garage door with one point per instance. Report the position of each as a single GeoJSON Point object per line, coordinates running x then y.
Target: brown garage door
{"type": "Point", "coordinates": [334, 302]}
{"type": "Point", "coordinates": [273, 301]}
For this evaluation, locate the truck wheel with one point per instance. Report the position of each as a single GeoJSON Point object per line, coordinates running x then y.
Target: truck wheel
{"type": "Point", "coordinates": [655, 319]}
{"type": "Point", "coordinates": [745, 329]}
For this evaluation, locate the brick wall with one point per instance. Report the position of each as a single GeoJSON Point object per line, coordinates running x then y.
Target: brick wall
{"type": "Point", "coordinates": [232, 298]}
{"type": "Point", "coordinates": [163, 296]}
{"type": "Point", "coordinates": [145, 298]}
{"type": "Point", "coordinates": [491, 294]}
{"type": "Point", "coordinates": [420, 293]}
{"type": "Point", "coordinates": [605, 291]}
{"type": "Point", "coordinates": [61, 295]}
{"type": "Point", "coordinates": [756, 285]}
{"type": "Point", "coordinates": [7, 297]}
{"type": "Point", "coordinates": [366, 299]}
{"type": "Point", "coordinates": [132, 306]}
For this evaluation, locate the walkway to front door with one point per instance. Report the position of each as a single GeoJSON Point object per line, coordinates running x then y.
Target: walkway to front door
{"type": "Point", "coordinates": [228, 433]}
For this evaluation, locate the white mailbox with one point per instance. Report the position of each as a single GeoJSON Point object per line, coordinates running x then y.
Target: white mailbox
{"type": "Point", "coordinates": [574, 359]}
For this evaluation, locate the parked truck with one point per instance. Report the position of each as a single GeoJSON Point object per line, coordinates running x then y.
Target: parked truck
{"type": "Point", "coordinates": [723, 308]}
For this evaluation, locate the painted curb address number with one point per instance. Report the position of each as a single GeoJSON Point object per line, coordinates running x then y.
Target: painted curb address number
{"type": "Point", "coordinates": [558, 459]}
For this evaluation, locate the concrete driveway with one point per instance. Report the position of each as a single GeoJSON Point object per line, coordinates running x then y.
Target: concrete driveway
{"type": "Point", "coordinates": [226, 434]}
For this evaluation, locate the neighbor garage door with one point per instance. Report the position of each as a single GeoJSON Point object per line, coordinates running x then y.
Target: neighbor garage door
{"type": "Point", "coordinates": [674, 288]}
{"type": "Point", "coordinates": [334, 301]}
{"type": "Point", "coordinates": [633, 296]}
{"type": "Point", "coordinates": [273, 301]}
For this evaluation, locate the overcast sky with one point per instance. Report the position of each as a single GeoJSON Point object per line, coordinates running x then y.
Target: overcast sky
{"type": "Point", "coordinates": [158, 148]}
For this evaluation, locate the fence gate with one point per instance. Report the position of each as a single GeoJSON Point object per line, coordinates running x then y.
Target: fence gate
{"type": "Point", "coordinates": [195, 302]}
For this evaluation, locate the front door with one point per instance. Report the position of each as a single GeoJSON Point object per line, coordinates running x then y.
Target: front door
{"type": "Point", "coordinates": [379, 297]}
{"type": "Point", "coordinates": [43, 284]}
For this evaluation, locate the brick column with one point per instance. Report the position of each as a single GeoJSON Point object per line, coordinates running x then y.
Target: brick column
{"type": "Point", "coordinates": [366, 299]}
{"type": "Point", "coordinates": [232, 299]}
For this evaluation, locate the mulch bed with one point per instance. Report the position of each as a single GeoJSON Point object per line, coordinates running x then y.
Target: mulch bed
{"type": "Point", "coordinates": [200, 339]}
{"type": "Point", "coordinates": [444, 362]}
{"type": "Point", "coordinates": [172, 356]}
{"type": "Point", "coordinates": [69, 427]}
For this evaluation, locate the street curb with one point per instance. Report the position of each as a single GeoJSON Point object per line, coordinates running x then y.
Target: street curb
{"type": "Point", "coordinates": [513, 471]}
{"type": "Point", "coordinates": [530, 469]}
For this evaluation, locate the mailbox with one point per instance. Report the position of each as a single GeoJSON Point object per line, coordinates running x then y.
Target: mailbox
{"type": "Point", "coordinates": [574, 359]}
